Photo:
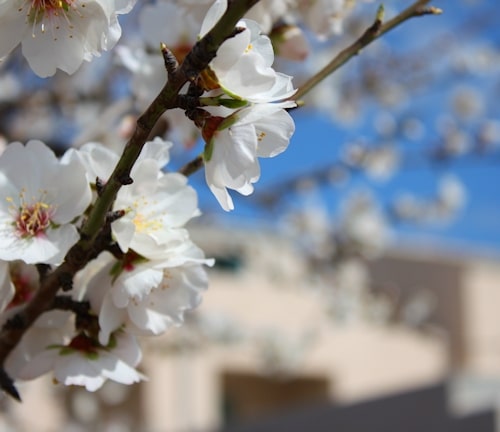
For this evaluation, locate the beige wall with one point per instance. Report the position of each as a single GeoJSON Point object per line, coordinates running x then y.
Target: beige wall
{"type": "Point", "coordinates": [271, 294]}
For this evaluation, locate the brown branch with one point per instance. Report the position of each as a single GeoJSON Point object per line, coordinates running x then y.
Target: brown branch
{"type": "Point", "coordinates": [84, 250]}
{"type": "Point", "coordinates": [192, 166]}
{"type": "Point", "coordinates": [377, 29]}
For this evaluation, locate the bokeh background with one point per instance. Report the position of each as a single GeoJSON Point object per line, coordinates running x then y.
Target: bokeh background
{"type": "Point", "coordinates": [358, 287]}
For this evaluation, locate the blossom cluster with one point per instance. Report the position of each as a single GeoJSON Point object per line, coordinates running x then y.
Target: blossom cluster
{"type": "Point", "coordinates": [245, 116]}
{"type": "Point", "coordinates": [144, 272]}
{"type": "Point", "coordinates": [235, 139]}
{"type": "Point", "coordinates": [141, 283]}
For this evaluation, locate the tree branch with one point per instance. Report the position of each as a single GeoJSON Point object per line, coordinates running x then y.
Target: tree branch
{"type": "Point", "coordinates": [85, 250]}
{"type": "Point", "coordinates": [377, 29]}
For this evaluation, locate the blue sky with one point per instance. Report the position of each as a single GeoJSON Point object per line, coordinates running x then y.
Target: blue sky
{"type": "Point", "coordinates": [318, 140]}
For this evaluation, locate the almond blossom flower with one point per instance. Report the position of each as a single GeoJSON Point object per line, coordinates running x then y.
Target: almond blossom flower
{"type": "Point", "coordinates": [51, 328]}
{"type": "Point", "coordinates": [60, 34]}
{"type": "Point", "coordinates": [243, 64]}
{"type": "Point", "coordinates": [99, 161]}
{"type": "Point", "coordinates": [155, 208]}
{"type": "Point", "coordinates": [84, 362]}
{"type": "Point", "coordinates": [231, 155]}
{"type": "Point", "coordinates": [146, 297]}
{"type": "Point", "coordinates": [156, 204]}
{"type": "Point", "coordinates": [39, 199]}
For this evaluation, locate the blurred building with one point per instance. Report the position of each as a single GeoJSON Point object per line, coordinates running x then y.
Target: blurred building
{"type": "Point", "coordinates": [273, 335]}
{"type": "Point", "coordinates": [419, 410]}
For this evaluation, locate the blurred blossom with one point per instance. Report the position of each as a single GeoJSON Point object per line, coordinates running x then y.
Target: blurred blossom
{"type": "Point", "coordinates": [10, 87]}
{"type": "Point", "coordinates": [381, 309]}
{"type": "Point", "coordinates": [338, 175]}
{"type": "Point", "coordinates": [85, 406]}
{"type": "Point", "coordinates": [181, 31]}
{"type": "Point", "coordinates": [406, 207]}
{"type": "Point", "coordinates": [412, 128]}
{"type": "Point", "coordinates": [378, 162]}
{"type": "Point", "coordinates": [488, 134]}
{"type": "Point", "coordinates": [325, 17]}
{"type": "Point", "coordinates": [391, 94]}
{"type": "Point", "coordinates": [476, 57]}
{"type": "Point", "coordinates": [353, 153]}
{"type": "Point", "coordinates": [418, 309]}
{"type": "Point", "coordinates": [385, 123]}
{"type": "Point", "coordinates": [305, 185]}
{"type": "Point", "coordinates": [148, 72]}
{"type": "Point", "coordinates": [450, 199]}
{"type": "Point", "coordinates": [281, 353]}
{"type": "Point", "coordinates": [452, 193]}
{"type": "Point", "coordinates": [268, 12]}
{"type": "Point", "coordinates": [467, 102]}
{"type": "Point", "coordinates": [312, 229]}
{"type": "Point", "coordinates": [329, 96]}
{"type": "Point", "coordinates": [381, 162]}
{"type": "Point", "coordinates": [197, 8]}
{"type": "Point", "coordinates": [363, 227]}
{"type": "Point", "coordinates": [353, 275]}
{"type": "Point", "coordinates": [350, 300]}
{"type": "Point", "coordinates": [218, 327]}
{"type": "Point", "coordinates": [108, 130]}
{"type": "Point", "coordinates": [456, 142]}
{"type": "Point", "coordinates": [290, 43]}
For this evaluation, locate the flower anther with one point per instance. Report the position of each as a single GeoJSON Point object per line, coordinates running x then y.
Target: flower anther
{"type": "Point", "coordinates": [32, 219]}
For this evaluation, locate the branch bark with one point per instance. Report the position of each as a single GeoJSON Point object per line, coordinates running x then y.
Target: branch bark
{"type": "Point", "coordinates": [85, 249]}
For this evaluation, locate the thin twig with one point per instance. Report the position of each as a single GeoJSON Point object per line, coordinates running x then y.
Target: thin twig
{"type": "Point", "coordinates": [192, 166]}
{"type": "Point", "coordinates": [377, 29]}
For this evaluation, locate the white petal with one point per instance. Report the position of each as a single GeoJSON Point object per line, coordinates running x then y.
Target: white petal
{"type": "Point", "coordinates": [39, 365]}
{"type": "Point", "coordinates": [213, 15]}
{"type": "Point", "coordinates": [110, 319]}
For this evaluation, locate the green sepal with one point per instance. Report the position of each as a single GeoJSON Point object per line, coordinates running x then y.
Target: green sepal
{"type": "Point", "coordinates": [232, 103]}
{"type": "Point", "coordinates": [66, 351]}
{"type": "Point", "coordinates": [208, 151]}
{"type": "Point", "coordinates": [228, 122]}
{"type": "Point", "coordinates": [93, 355]}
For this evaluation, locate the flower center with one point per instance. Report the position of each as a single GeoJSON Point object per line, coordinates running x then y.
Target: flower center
{"type": "Point", "coordinates": [50, 13]}
{"type": "Point", "coordinates": [145, 222]}
{"type": "Point", "coordinates": [84, 344]}
{"type": "Point", "coordinates": [32, 220]}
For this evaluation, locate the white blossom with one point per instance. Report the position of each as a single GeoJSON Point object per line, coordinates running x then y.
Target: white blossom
{"type": "Point", "coordinates": [155, 206]}
{"type": "Point", "coordinates": [147, 297]}
{"type": "Point", "coordinates": [84, 362]}
{"type": "Point", "coordinates": [39, 199]}
{"type": "Point", "coordinates": [60, 34]}
{"type": "Point", "coordinates": [243, 64]}
{"type": "Point", "coordinates": [231, 159]}
{"type": "Point", "coordinates": [99, 161]}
